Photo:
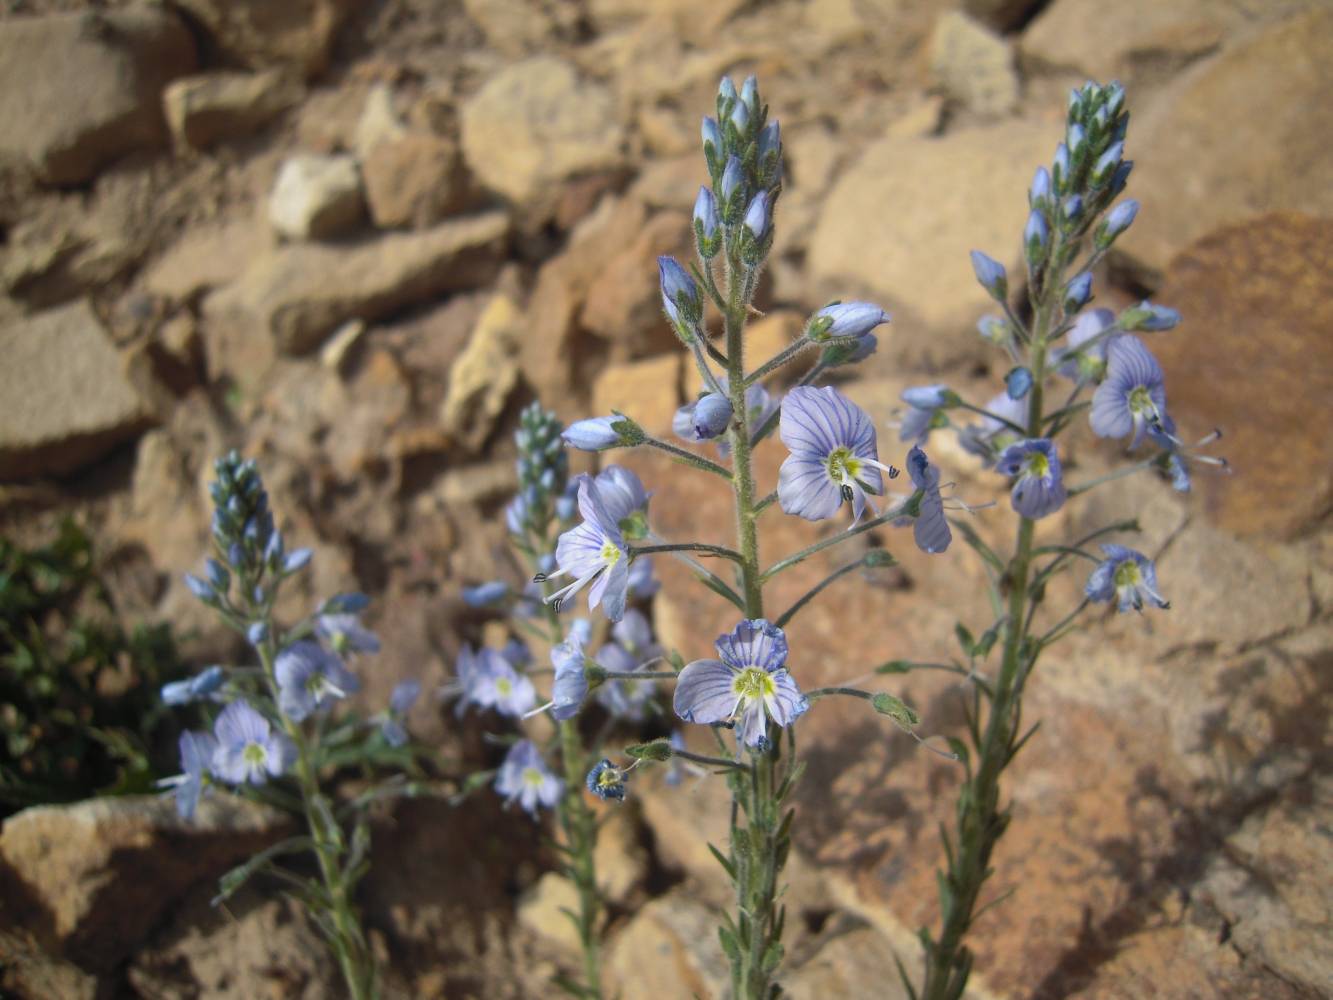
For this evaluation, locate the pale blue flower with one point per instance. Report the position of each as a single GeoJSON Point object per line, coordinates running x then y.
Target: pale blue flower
{"type": "Point", "coordinates": [748, 685]}
{"type": "Point", "coordinates": [923, 415]}
{"type": "Point", "coordinates": [493, 682]}
{"type": "Point", "coordinates": [196, 750]}
{"type": "Point", "coordinates": [931, 528]}
{"type": "Point", "coordinates": [833, 454]}
{"type": "Point", "coordinates": [485, 594]}
{"type": "Point", "coordinates": [642, 583]}
{"type": "Point", "coordinates": [525, 776]}
{"type": "Point", "coordinates": [201, 686]}
{"type": "Point", "coordinates": [1133, 394]}
{"type": "Point", "coordinates": [310, 678]}
{"type": "Point", "coordinates": [1039, 489]}
{"type": "Point", "coordinates": [1077, 363]}
{"type": "Point", "coordinates": [992, 434]}
{"type": "Point", "coordinates": [1176, 455]}
{"type": "Point", "coordinates": [594, 552]}
{"type": "Point", "coordinates": [248, 748]}
{"type": "Point", "coordinates": [1125, 575]}
{"type": "Point", "coordinates": [345, 633]}
{"type": "Point", "coordinates": [680, 295]}
{"type": "Point", "coordinates": [571, 681]}
{"type": "Point", "coordinates": [402, 699]}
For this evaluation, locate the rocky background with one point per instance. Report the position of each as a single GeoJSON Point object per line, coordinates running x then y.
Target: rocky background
{"type": "Point", "coordinates": [353, 239]}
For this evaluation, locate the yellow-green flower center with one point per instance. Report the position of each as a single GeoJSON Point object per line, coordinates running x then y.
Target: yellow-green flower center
{"type": "Point", "coordinates": [1127, 574]}
{"type": "Point", "coordinates": [504, 687]}
{"type": "Point", "coordinates": [532, 777]}
{"type": "Point", "coordinates": [1038, 465]}
{"type": "Point", "coordinates": [610, 554]}
{"type": "Point", "coordinates": [1140, 401]}
{"type": "Point", "coordinates": [254, 754]}
{"type": "Point", "coordinates": [752, 683]}
{"type": "Point", "coordinates": [843, 466]}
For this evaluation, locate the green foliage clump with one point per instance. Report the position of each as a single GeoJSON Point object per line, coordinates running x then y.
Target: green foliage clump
{"type": "Point", "coordinates": [80, 713]}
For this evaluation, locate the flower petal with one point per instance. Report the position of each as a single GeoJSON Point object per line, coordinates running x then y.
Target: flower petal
{"type": "Point", "coordinates": [703, 692]}
{"type": "Point", "coordinates": [805, 488]}
{"type": "Point", "coordinates": [786, 704]}
{"type": "Point", "coordinates": [755, 642]}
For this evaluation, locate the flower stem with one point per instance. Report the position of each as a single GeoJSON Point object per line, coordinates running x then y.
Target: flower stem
{"type": "Point", "coordinates": [980, 819]}
{"type": "Point", "coordinates": [759, 851]}
{"type": "Point", "coordinates": [348, 940]}
{"type": "Point", "coordinates": [687, 457]}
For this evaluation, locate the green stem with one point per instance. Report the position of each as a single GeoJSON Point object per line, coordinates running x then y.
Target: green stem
{"type": "Point", "coordinates": [687, 457]}
{"type": "Point", "coordinates": [813, 592]}
{"type": "Point", "coordinates": [713, 550]}
{"type": "Point", "coordinates": [349, 943]}
{"type": "Point", "coordinates": [758, 868]}
{"type": "Point", "coordinates": [842, 536]}
{"type": "Point", "coordinates": [787, 354]}
{"type": "Point", "coordinates": [980, 820]}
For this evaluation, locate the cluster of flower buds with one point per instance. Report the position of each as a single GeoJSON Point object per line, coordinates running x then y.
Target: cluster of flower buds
{"type": "Point", "coordinates": [543, 473]}
{"type": "Point", "coordinates": [244, 535]}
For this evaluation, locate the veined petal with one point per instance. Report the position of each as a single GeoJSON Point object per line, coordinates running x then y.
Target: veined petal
{"type": "Point", "coordinates": [752, 724]}
{"type": "Point", "coordinates": [755, 642]}
{"type": "Point", "coordinates": [615, 589]}
{"type": "Point", "coordinates": [703, 692]}
{"type": "Point", "coordinates": [802, 426]}
{"type": "Point", "coordinates": [1110, 416]}
{"type": "Point", "coordinates": [786, 704]}
{"type": "Point", "coordinates": [579, 550]}
{"type": "Point", "coordinates": [805, 488]}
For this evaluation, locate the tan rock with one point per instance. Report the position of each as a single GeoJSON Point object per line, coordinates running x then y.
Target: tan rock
{"type": "Point", "coordinates": [485, 373]}
{"type": "Point", "coordinates": [67, 400]}
{"type": "Point", "coordinates": [899, 223]}
{"type": "Point", "coordinates": [669, 948]}
{"type": "Point", "coordinates": [973, 65]}
{"type": "Point", "coordinates": [520, 27]}
{"type": "Point", "coordinates": [618, 857]}
{"type": "Point", "coordinates": [317, 198]}
{"type": "Point", "coordinates": [258, 34]}
{"type": "Point", "coordinates": [413, 181]}
{"type": "Point", "coordinates": [1002, 15]}
{"type": "Point", "coordinates": [99, 873]}
{"type": "Point", "coordinates": [537, 123]}
{"type": "Point", "coordinates": [204, 258]}
{"type": "Point", "coordinates": [292, 297]}
{"type": "Point", "coordinates": [855, 962]}
{"type": "Point", "coordinates": [204, 110]}
{"type": "Point", "coordinates": [1253, 357]}
{"type": "Point", "coordinates": [379, 122]}
{"type": "Point", "coordinates": [545, 908]}
{"type": "Point", "coordinates": [648, 391]}
{"type": "Point", "coordinates": [1257, 109]}
{"type": "Point", "coordinates": [81, 89]}
{"type": "Point", "coordinates": [624, 303]}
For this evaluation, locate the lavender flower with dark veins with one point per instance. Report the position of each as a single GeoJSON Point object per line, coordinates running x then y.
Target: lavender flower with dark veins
{"type": "Point", "coordinates": [309, 678]}
{"type": "Point", "coordinates": [1039, 489]}
{"type": "Point", "coordinates": [1133, 394]}
{"type": "Point", "coordinates": [197, 750]}
{"type": "Point", "coordinates": [833, 454]}
{"type": "Point", "coordinates": [594, 552]}
{"type": "Point", "coordinates": [1125, 575]}
{"type": "Point", "coordinates": [248, 748]}
{"type": "Point", "coordinates": [924, 403]}
{"type": "Point", "coordinates": [571, 682]}
{"type": "Point", "coordinates": [1075, 363]}
{"type": "Point", "coordinates": [345, 633]}
{"type": "Point", "coordinates": [931, 528]}
{"type": "Point", "coordinates": [747, 685]}
{"type": "Point", "coordinates": [525, 776]}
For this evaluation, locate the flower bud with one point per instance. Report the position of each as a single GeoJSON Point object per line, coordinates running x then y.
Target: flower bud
{"type": "Point", "coordinates": [750, 95]}
{"type": "Point", "coordinates": [1036, 240]}
{"type": "Point", "coordinates": [593, 434]}
{"type": "Point", "coordinates": [484, 594]}
{"type": "Point", "coordinates": [200, 589]}
{"type": "Point", "coordinates": [1105, 167]}
{"type": "Point", "coordinates": [1018, 383]}
{"type": "Point", "coordinates": [1071, 208]}
{"type": "Point", "coordinates": [680, 296]}
{"type": "Point", "coordinates": [756, 216]}
{"type": "Point", "coordinates": [991, 274]}
{"type": "Point", "coordinates": [845, 319]}
{"type": "Point", "coordinates": [1116, 222]}
{"type": "Point", "coordinates": [711, 416]}
{"type": "Point", "coordinates": [712, 142]}
{"type": "Point", "coordinates": [1040, 191]}
{"type": "Point", "coordinates": [731, 190]}
{"type": "Point", "coordinates": [1077, 292]}
{"type": "Point", "coordinates": [1060, 168]}
{"type": "Point", "coordinates": [1149, 318]}
{"type": "Point", "coordinates": [740, 119]}
{"type": "Point", "coordinates": [706, 232]}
